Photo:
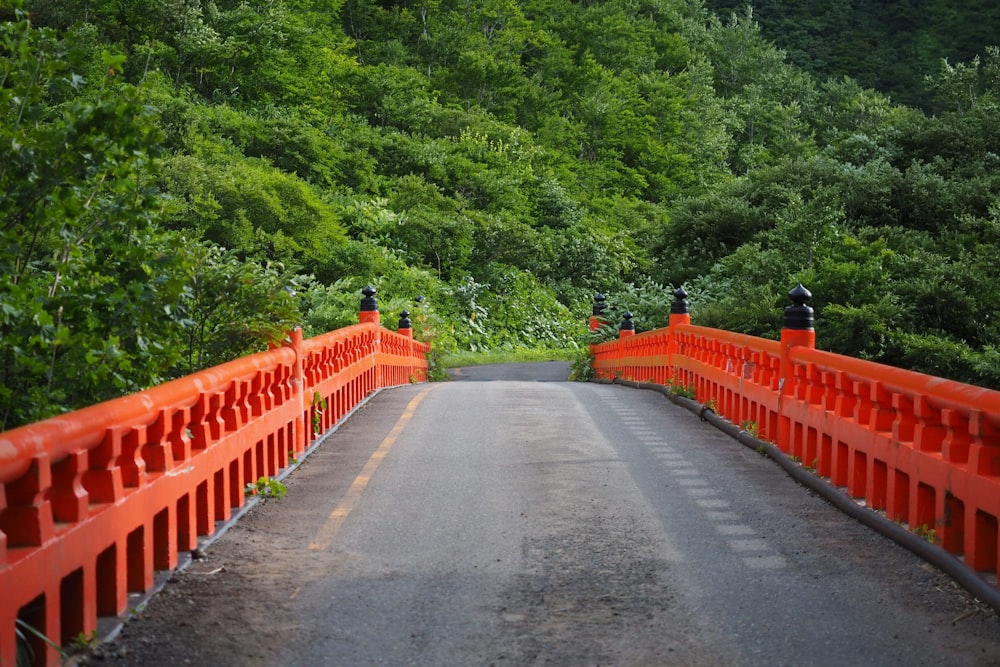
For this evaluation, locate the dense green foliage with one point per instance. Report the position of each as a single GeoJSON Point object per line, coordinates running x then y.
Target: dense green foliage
{"type": "Point", "coordinates": [184, 180]}
{"type": "Point", "coordinates": [888, 46]}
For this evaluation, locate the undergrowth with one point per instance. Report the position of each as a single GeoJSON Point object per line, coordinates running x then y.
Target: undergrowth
{"type": "Point", "coordinates": [511, 356]}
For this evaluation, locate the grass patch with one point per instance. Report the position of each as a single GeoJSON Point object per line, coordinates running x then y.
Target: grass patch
{"type": "Point", "coordinates": [518, 356]}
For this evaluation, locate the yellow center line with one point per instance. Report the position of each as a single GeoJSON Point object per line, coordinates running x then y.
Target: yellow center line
{"type": "Point", "coordinates": [350, 500]}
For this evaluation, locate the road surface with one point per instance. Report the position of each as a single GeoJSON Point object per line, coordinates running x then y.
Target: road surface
{"type": "Point", "coordinates": [500, 520]}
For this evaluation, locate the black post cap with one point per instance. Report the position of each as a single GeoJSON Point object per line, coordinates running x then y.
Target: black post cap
{"type": "Point", "coordinates": [599, 304]}
{"type": "Point", "coordinates": [627, 323]}
{"type": "Point", "coordinates": [369, 303]}
{"type": "Point", "coordinates": [404, 320]}
{"type": "Point", "coordinates": [799, 316]}
{"type": "Point", "coordinates": [680, 305]}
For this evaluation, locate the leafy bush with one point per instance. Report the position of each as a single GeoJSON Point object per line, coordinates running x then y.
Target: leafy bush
{"type": "Point", "coordinates": [233, 307]}
{"type": "Point", "coordinates": [941, 357]}
{"type": "Point", "coordinates": [649, 302]}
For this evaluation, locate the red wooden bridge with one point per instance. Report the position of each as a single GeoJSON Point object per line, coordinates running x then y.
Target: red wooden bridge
{"type": "Point", "coordinates": [97, 501]}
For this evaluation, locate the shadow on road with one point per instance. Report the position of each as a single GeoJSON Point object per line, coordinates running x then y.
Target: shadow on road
{"type": "Point", "coordinates": [543, 371]}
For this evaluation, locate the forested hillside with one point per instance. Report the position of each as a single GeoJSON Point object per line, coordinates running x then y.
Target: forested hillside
{"type": "Point", "coordinates": [184, 180]}
{"type": "Point", "coordinates": [888, 46]}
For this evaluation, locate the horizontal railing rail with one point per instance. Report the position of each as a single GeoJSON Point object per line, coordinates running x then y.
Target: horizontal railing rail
{"type": "Point", "coordinates": [94, 502]}
{"type": "Point", "coordinates": [922, 449]}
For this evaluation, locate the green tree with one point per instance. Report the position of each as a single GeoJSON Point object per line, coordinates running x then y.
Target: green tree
{"type": "Point", "coordinates": [232, 307]}
{"type": "Point", "coordinates": [82, 299]}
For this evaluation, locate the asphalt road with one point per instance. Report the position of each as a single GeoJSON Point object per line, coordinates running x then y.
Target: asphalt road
{"type": "Point", "coordinates": [507, 521]}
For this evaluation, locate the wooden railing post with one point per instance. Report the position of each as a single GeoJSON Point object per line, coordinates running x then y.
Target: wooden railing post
{"type": "Point", "coordinates": [797, 330]}
{"type": "Point", "coordinates": [627, 330]}
{"type": "Point", "coordinates": [628, 326]}
{"type": "Point", "coordinates": [369, 307]}
{"type": "Point", "coordinates": [680, 315]}
{"type": "Point", "coordinates": [369, 313]}
{"type": "Point", "coordinates": [597, 316]}
{"type": "Point", "coordinates": [301, 434]}
{"type": "Point", "coordinates": [405, 327]}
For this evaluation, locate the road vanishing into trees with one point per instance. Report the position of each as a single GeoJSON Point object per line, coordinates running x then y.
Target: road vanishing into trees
{"type": "Point", "coordinates": [510, 518]}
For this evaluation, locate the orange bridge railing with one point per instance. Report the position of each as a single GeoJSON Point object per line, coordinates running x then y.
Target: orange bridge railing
{"type": "Point", "coordinates": [924, 450]}
{"type": "Point", "coordinates": [94, 502]}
